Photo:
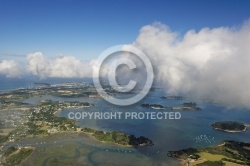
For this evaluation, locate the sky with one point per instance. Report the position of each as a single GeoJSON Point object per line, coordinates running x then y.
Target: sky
{"type": "Point", "coordinates": [84, 28]}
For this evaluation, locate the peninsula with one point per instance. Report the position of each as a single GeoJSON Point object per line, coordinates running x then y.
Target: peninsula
{"type": "Point", "coordinates": [227, 153]}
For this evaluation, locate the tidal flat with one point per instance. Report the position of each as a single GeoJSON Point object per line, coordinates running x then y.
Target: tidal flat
{"type": "Point", "coordinates": [72, 148]}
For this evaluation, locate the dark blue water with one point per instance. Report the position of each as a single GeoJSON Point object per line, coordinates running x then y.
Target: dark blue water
{"type": "Point", "coordinates": [189, 131]}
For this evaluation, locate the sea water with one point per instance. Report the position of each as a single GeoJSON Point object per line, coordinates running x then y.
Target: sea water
{"type": "Point", "coordinates": [192, 130]}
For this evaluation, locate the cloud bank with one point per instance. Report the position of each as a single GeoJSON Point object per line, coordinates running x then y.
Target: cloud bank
{"type": "Point", "coordinates": [211, 63]}
{"type": "Point", "coordinates": [63, 67]}
{"type": "Point", "coordinates": [10, 68]}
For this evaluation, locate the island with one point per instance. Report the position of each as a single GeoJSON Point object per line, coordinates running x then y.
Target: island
{"type": "Point", "coordinates": [153, 106]}
{"type": "Point", "coordinates": [226, 153]}
{"type": "Point", "coordinates": [188, 106]}
{"type": "Point", "coordinates": [191, 104]}
{"type": "Point", "coordinates": [185, 106]}
{"type": "Point", "coordinates": [229, 126]}
{"type": "Point", "coordinates": [173, 97]}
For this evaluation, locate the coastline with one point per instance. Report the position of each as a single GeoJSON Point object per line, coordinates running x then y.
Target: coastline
{"type": "Point", "coordinates": [89, 135]}
{"type": "Point", "coordinates": [214, 154]}
{"type": "Point", "coordinates": [73, 107]}
{"type": "Point", "coordinates": [231, 131]}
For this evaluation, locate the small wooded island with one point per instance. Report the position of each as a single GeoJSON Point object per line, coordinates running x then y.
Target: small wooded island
{"type": "Point", "coordinates": [185, 106]}
{"type": "Point", "coordinates": [229, 126]}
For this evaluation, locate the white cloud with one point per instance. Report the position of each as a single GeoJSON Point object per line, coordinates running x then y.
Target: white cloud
{"type": "Point", "coordinates": [10, 68]}
{"type": "Point", "coordinates": [64, 66]}
{"type": "Point", "coordinates": [212, 63]}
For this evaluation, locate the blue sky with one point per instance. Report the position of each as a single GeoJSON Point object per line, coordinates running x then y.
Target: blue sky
{"type": "Point", "coordinates": [85, 28]}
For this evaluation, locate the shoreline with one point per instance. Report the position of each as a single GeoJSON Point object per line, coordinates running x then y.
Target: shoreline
{"type": "Point", "coordinates": [89, 135]}
{"type": "Point", "coordinates": [195, 156]}
{"type": "Point", "coordinates": [231, 131]}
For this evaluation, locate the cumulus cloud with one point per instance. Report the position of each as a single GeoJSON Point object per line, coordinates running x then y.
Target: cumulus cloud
{"type": "Point", "coordinates": [211, 63]}
{"type": "Point", "coordinates": [10, 68]}
{"type": "Point", "coordinates": [64, 66]}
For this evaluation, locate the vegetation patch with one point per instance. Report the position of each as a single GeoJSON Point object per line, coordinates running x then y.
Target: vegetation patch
{"type": "Point", "coordinates": [14, 156]}
{"type": "Point", "coordinates": [229, 126]}
{"type": "Point", "coordinates": [230, 151]}
{"type": "Point", "coordinates": [119, 138]}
